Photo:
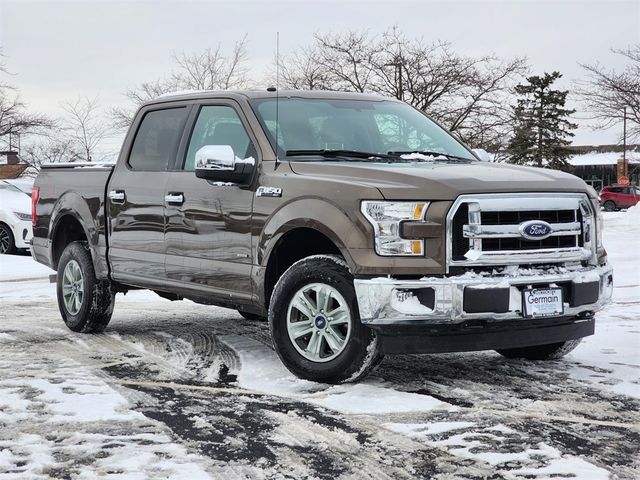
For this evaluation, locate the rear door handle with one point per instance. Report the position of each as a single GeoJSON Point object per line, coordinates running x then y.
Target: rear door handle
{"type": "Point", "coordinates": [117, 196]}
{"type": "Point", "coordinates": [174, 198]}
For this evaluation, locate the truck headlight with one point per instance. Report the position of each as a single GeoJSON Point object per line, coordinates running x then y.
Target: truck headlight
{"type": "Point", "coordinates": [25, 217]}
{"type": "Point", "coordinates": [599, 226]}
{"type": "Point", "coordinates": [386, 217]}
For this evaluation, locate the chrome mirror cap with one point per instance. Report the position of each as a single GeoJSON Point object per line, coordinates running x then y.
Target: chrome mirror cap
{"type": "Point", "coordinates": [215, 157]}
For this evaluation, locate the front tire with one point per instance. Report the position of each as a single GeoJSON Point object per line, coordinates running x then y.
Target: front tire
{"type": "Point", "coordinates": [85, 303]}
{"type": "Point", "coordinates": [7, 241]}
{"type": "Point", "coordinates": [315, 323]}
{"type": "Point", "coordinates": [610, 206]}
{"type": "Point", "coordinates": [550, 351]}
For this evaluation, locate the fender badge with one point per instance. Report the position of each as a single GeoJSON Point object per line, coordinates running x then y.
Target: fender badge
{"type": "Point", "coordinates": [269, 192]}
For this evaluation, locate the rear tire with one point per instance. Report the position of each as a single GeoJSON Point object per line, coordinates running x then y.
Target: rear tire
{"type": "Point", "coordinates": [610, 206]}
{"type": "Point", "coordinates": [7, 241]}
{"type": "Point", "coordinates": [85, 303]}
{"type": "Point", "coordinates": [328, 343]}
{"type": "Point", "coordinates": [550, 351]}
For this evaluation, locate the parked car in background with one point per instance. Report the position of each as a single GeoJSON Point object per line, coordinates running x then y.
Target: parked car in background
{"type": "Point", "coordinates": [15, 215]}
{"type": "Point", "coordinates": [616, 196]}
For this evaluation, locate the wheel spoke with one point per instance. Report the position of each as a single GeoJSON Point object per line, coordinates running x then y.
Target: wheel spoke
{"type": "Point", "coordinates": [323, 295]}
{"type": "Point", "coordinates": [300, 304]}
{"type": "Point", "coordinates": [340, 317]}
{"type": "Point", "coordinates": [314, 345]}
{"type": "Point", "coordinates": [300, 329]}
{"type": "Point", "coordinates": [67, 277]}
{"type": "Point", "coordinates": [77, 274]}
{"type": "Point", "coordinates": [335, 341]}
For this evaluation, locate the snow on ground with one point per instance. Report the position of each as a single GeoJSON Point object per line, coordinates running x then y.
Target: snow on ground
{"type": "Point", "coordinates": [262, 371]}
{"type": "Point", "coordinates": [179, 390]}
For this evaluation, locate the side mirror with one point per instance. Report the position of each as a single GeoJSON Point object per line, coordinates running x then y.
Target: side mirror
{"type": "Point", "coordinates": [482, 154]}
{"type": "Point", "coordinates": [219, 163]}
{"type": "Point", "coordinates": [215, 157]}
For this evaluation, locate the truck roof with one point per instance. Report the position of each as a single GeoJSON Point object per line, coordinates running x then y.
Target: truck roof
{"type": "Point", "coordinates": [251, 94]}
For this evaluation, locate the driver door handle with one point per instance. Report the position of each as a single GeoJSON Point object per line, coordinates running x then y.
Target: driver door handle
{"type": "Point", "coordinates": [116, 196]}
{"type": "Point", "coordinates": [174, 198]}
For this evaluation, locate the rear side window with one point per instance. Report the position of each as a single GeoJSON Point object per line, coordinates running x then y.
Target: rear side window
{"type": "Point", "coordinates": [157, 139]}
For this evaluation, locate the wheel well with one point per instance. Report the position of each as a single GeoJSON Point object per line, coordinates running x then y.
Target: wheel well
{"type": "Point", "coordinates": [293, 246]}
{"type": "Point", "coordinates": [68, 230]}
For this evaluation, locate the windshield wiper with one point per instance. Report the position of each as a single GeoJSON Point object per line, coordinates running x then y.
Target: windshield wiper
{"type": "Point", "coordinates": [432, 154]}
{"type": "Point", "coordinates": [341, 153]}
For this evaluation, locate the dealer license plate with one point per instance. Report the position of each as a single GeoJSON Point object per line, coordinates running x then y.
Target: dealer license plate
{"type": "Point", "coordinates": [542, 302]}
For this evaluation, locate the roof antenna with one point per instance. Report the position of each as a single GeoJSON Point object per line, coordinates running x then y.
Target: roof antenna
{"type": "Point", "coordinates": [277, 92]}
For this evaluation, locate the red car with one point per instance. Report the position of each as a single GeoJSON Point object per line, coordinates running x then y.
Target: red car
{"type": "Point", "coordinates": [615, 196]}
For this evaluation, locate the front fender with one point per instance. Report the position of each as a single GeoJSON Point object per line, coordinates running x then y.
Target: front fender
{"type": "Point", "coordinates": [318, 214]}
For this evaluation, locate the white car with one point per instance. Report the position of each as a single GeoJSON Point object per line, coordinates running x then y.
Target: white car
{"type": "Point", "coordinates": [15, 215]}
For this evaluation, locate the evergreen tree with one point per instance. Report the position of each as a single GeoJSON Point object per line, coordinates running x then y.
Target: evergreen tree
{"type": "Point", "coordinates": [542, 126]}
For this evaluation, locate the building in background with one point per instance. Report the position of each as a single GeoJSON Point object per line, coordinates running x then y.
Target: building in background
{"type": "Point", "coordinates": [10, 165]}
{"type": "Point", "coordinates": [597, 165]}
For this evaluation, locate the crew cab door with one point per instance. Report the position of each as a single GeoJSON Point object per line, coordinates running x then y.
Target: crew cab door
{"type": "Point", "coordinates": [208, 232]}
{"type": "Point", "coordinates": [135, 196]}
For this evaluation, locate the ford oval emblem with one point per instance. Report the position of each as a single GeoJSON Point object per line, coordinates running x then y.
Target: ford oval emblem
{"type": "Point", "coordinates": [535, 230]}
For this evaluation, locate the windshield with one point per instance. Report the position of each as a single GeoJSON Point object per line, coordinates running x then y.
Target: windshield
{"type": "Point", "coordinates": [380, 127]}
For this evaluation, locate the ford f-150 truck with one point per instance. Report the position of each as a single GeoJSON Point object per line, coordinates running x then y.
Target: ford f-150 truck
{"type": "Point", "coordinates": [355, 223]}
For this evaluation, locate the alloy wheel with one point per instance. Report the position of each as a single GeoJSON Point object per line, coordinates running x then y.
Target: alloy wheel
{"type": "Point", "coordinates": [72, 287]}
{"type": "Point", "coordinates": [319, 322]}
{"type": "Point", "coordinates": [5, 240]}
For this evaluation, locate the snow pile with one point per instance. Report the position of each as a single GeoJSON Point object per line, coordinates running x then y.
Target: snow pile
{"type": "Point", "coordinates": [422, 157]}
{"type": "Point", "coordinates": [18, 267]}
{"type": "Point", "coordinates": [632, 216]}
{"type": "Point", "coordinates": [409, 306]}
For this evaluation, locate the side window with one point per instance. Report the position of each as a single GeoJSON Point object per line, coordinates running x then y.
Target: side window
{"type": "Point", "coordinates": [218, 125]}
{"type": "Point", "coordinates": [157, 139]}
{"type": "Point", "coordinates": [615, 190]}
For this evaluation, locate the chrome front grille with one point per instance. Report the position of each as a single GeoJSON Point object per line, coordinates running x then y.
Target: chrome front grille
{"type": "Point", "coordinates": [486, 229]}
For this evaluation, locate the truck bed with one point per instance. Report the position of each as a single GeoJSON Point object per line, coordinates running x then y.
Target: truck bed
{"type": "Point", "coordinates": [68, 192]}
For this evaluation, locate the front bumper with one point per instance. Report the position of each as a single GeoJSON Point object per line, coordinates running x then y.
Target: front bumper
{"type": "Point", "coordinates": [22, 233]}
{"type": "Point", "coordinates": [479, 296]}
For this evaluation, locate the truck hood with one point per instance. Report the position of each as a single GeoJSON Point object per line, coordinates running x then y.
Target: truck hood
{"type": "Point", "coordinates": [442, 181]}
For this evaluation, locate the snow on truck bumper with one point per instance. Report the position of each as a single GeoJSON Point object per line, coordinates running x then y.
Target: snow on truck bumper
{"type": "Point", "coordinates": [456, 299]}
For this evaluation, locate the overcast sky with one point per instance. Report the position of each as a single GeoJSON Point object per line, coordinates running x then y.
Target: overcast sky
{"type": "Point", "coordinates": [61, 49]}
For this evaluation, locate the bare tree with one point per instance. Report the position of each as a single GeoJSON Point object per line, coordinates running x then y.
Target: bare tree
{"type": "Point", "coordinates": [55, 148]}
{"type": "Point", "coordinates": [121, 116]}
{"type": "Point", "coordinates": [606, 93]}
{"type": "Point", "coordinates": [15, 120]}
{"type": "Point", "coordinates": [210, 69]}
{"type": "Point", "coordinates": [349, 59]}
{"type": "Point", "coordinates": [85, 126]}
{"type": "Point", "coordinates": [471, 96]}
{"type": "Point", "coordinates": [301, 71]}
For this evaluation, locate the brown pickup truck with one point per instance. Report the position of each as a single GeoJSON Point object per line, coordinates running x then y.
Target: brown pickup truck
{"type": "Point", "coordinates": [355, 223]}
